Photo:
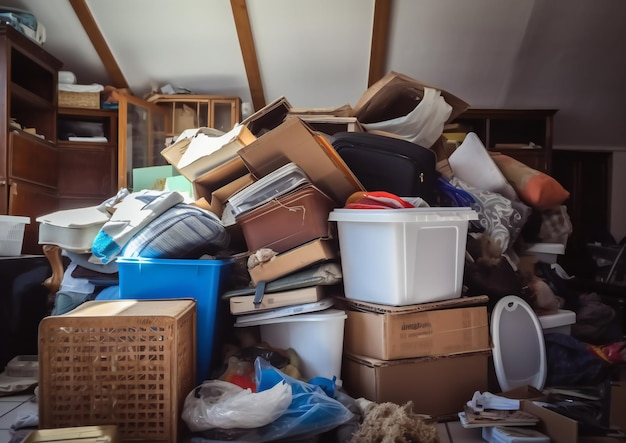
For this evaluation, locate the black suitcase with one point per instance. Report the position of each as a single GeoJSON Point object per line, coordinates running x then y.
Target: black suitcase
{"type": "Point", "coordinates": [389, 164]}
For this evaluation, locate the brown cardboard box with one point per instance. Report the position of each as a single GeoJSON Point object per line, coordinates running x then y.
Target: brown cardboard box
{"type": "Point", "coordinates": [416, 334]}
{"type": "Point", "coordinates": [218, 162]}
{"type": "Point", "coordinates": [293, 141]}
{"type": "Point", "coordinates": [401, 90]}
{"type": "Point", "coordinates": [83, 434]}
{"type": "Point", "coordinates": [315, 251]}
{"type": "Point", "coordinates": [268, 117]}
{"type": "Point", "coordinates": [216, 197]}
{"type": "Point", "coordinates": [437, 386]}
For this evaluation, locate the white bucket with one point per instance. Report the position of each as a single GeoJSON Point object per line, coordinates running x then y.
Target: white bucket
{"type": "Point", "coordinates": [317, 338]}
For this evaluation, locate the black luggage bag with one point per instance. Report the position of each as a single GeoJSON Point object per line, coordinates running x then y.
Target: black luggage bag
{"type": "Point", "coordinates": [383, 163]}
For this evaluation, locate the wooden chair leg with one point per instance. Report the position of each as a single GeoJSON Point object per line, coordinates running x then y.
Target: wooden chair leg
{"type": "Point", "coordinates": [53, 283]}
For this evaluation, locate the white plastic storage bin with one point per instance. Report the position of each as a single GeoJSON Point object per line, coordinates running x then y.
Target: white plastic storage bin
{"type": "Point", "coordinates": [12, 234]}
{"type": "Point", "coordinates": [317, 338]}
{"type": "Point", "coordinates": [512, 434]}
{"type": "Point", "coordinates": [401, 257]}
{"type": "Point", "coordinates": [546, 252]}
{"type": "Point", "coordinates": [560, 322]}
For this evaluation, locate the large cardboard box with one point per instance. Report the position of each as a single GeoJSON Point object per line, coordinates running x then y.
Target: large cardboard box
{"type": "Point", "coordinates": [293, 141]}
{"type": "Point", "coordinates": [200, 152]}
{"type": "Point", "coordinates": [426, 331]}
{"type": "Point", "coordinates": [437, 386]}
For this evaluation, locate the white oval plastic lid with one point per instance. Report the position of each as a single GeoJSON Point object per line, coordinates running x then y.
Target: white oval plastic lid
{"type": "Point", "coordinates": [519, 354]}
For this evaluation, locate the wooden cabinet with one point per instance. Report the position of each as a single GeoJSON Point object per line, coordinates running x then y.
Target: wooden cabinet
{"type": "Point", "coordinates": [186, 111]}
{"type": "Point", "coordinates": [145, 126]}
{"type": "Point", "coordinates": [29, 158]}
{"type": "Point", "coordinates": [512, 131]}
{"type": "Point", "coordinates": [87, 144]}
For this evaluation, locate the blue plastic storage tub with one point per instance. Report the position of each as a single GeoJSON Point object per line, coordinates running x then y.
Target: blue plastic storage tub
{"type": "Point", "coordinates": [153, 278]}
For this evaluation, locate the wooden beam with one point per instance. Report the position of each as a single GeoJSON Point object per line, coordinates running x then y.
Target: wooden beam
{"type": "Point", "coordinates": [248, 52]}
{"type": "Point", "coordinates": [380, 41]}
{"type": "Point", "coordinates": [99, 43]}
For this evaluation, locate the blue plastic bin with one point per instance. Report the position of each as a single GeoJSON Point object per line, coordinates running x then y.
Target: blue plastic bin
{"type": "Point", "coordinates": [153, 278]}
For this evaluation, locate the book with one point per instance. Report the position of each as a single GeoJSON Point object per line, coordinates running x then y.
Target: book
{"type": "Point", "coordinates": [471, 419]}
{"type": "Point", "coordinates": [285, 311]}
{"type": "Point", "coordinates": [244, 304]}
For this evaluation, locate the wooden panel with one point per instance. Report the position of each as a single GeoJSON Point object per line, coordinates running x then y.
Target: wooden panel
{"type": "Point", "coordinates": [87, 171]}
{"type": "Point", "coordinates": [33, 160]}
{"type": "Point", "coordinates": [33, 201]}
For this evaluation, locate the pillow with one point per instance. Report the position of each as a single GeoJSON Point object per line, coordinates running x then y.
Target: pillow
{"type": "Point", "coordinates": [500, 218]}
{"type": "Point", "coordinates": [183, 231]}
{"type": "Point", "coordinates": [533, 187]}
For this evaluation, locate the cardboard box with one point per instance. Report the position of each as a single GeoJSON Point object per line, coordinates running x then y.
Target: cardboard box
{"type": "Point", "coordinates": [208, 151]}
{"type": "Point", "coordinates": [216, 198]}
{"type": "Point", "coordinates": [82, 434]}
{"type": "Point", "coordinates": [437, 386]}
{"type": "Point", "coordinates": [399, 89]}
{"type": "Point", "coordinates": [391, 335]}
{"type": "Point", "coordinates": [268, 117]}
{"type": "Point", "coordinates": [316, 251]}
{"type": "Point", "coordinates": [329, 124]}
{"type": "Point", "coordinates": [293, 141]}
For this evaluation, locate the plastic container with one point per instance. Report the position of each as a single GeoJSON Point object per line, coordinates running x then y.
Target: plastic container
{"type": "Point", "coordinates": [12, 234]}
{"type": "Point", "coordinates": [546, 252]}
{"type": "Point", "coordinates": [288, 221]}
{"type": "Point", "coordinates": [317, 338]}
{"type": "Point", "coordinates": [401, 257]}
{"type": "Point", "coordinates": [71, 229]}
{"type": "Point", "coordinates": [150, 278]}
{"type": "Point", "coordinates": [560, 322]}
{"type": "Point", "coordinates": [513, 434]}
{"type": "Point", "coordinates": [119, 362]}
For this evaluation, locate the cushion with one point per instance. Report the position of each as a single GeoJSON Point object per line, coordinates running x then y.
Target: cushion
{"type": "Point", "coordinates": [533, 187]}
{"type": "Point", "coordinates": [183, 231]}
{"type": "Point", "coordinates": [500, 218]}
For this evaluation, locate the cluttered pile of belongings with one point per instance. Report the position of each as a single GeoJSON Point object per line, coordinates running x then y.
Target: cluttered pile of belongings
{"type": "Point", "coordinates": [261, 198]}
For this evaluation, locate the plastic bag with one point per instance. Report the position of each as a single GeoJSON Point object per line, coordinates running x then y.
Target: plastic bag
{"type": "Point", "coordinates": [311, 411]}
{"type": "Point", "coordinates": [423, 125]}
{"type": "Point", "coordinates": [221, 404]}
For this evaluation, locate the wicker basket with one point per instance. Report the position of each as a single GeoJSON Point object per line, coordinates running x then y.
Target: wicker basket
{"type": "Point", "coordinates": [124, 362]}
{"type": "Point", "coordinates": [70, 99]}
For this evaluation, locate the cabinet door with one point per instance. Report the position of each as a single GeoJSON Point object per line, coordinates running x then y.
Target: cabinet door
{"type": "Point", "coordinates": [34, 201]}
{"type": "Point", "coordinates": [33, 160]}
{"type": "Point", "coordinates": [224, 114]}
{"type": "Point", "coordinates": [141, 137]}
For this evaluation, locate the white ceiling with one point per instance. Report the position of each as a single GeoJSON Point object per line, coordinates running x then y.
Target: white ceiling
{"type": "Point", "coordinates": [566, 55]}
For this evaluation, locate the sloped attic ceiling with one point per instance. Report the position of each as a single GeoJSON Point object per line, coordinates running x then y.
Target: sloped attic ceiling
{"type": "Point", "coordinates": [522, 54]}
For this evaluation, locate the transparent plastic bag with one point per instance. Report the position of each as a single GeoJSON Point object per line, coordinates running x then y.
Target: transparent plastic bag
{"type": "Point", "coordinates": [224, 405]}
{"type": "Point", "coordinates": [311, 411]}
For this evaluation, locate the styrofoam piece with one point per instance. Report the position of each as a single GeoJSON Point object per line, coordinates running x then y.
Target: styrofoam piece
{"type": "Point", "coordinates": [12, 234]}
{"type": "Point", "coordinates": [519, 354]}
{"type": "Point", "coordinates": [71, 229]}
{"type": "Point", "coordinates": [317, 338]}
{"type": "Point", "coordinates": [560, 322]}
{"type": "Point", "coordinates": [401, 257]}
{"type": "Point", "coordinates": [546, 252]}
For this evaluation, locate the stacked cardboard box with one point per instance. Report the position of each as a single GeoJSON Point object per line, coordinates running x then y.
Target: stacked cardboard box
{"type": "Point", "coordinates": [433, 354]}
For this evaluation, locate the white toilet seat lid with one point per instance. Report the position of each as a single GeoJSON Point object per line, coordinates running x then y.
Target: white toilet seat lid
{"type": "Point", "coordinates": [519, 354]}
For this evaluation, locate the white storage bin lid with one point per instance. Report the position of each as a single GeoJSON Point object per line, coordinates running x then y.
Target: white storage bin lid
{"type": "Point", "coordinates": [324, 315]}
{"type": "Point", "coordinates": [561, 318]}
{"type": "Point", "coordinates": [15, 219]}
{"type": "Point", "coordinates": [546, 248]}
{"type": "Point", "coordinates": [436, 214]}
{"type": "Point", "coordinates": [519, 354]}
